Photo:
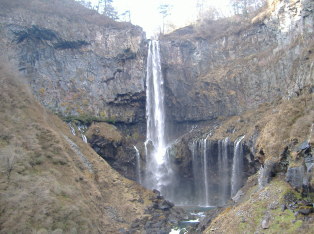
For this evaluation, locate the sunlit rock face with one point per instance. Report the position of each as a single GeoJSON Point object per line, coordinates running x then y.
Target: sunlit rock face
{"type": "Point", "coordinates": [78, 66]}
{"type": "Point", "coordinates": [222, 74]}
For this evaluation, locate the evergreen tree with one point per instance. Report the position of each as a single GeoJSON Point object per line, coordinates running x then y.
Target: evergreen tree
{"type": "Point", "coordinates": [105, 7]}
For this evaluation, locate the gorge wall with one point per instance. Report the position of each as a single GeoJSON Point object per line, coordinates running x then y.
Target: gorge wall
{"type": "Point", "coordinates": [260, 72]}
{"type": "Point", "coordinates": [83, 66]}
{"type": "Point", "coordinates": [53, 182]}
{"type": "Point", "coordinates": [78, 63]}
{"type": "Point", "coordinates": [238, 79]}
{"type": "Point", "coordinates": [222, 68]}
{"type": "Point", "coordinates": [88, 68]}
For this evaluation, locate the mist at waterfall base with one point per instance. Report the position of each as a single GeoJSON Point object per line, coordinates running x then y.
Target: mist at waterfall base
{"type": "Point", "coordinates": [216, 167]}
{"type": "Point", "coordinates": [158, 172]}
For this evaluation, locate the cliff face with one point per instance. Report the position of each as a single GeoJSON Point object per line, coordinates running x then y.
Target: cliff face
{"type": "Point", "coordinates": [216, 70]}
{"type": "Point", "coordinates": [53, 182]}
{"type": "Point", "coordinates": [77, 62]}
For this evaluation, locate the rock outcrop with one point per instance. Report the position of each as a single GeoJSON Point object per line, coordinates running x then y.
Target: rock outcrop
{"type": "Point", "coordinates": [116, 149]}
{"type": "Point", "coordinates": [224, 67]}
{"type": "Point", "coordinates": [53, 182]}
{"type": "Point", "coordinates": [78, 63]}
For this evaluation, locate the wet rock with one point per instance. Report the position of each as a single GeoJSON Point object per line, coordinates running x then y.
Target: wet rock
{"type": "Point", "coordinates": [157, 192]}
{"type": "Point", "coordinates": [238, 196]}
{"type": "Point", "coordinates": [306, 210]}
{"type": "Point", "coordinates": [283, 207]}
{"type": "Point", "coordinates": [160, 217]}
{"type": "Point", "coordinates": [110, 143]}
{"type": "Point", "coordinates": [161, 204]}
{"type": "Point", "coordinates": [204, 223]}
{"type": "Point", "coordinates": [266, 173]}
{"type": "Point", "coordinates": [294, 176]}
{"type": "Point", "coordinates": [266, 223]}
{"type": "Point", "coordinates": [300, 177]}
{"type": "Point", "coordinates": [304, 146]}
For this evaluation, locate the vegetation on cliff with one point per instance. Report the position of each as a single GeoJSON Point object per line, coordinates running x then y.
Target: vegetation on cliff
{"type": "Point", "coordinates": [51, 180]}
{"type": "Point", "coordinates": [276, 208]}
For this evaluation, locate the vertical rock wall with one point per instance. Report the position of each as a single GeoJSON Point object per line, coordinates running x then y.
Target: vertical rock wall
{"type": "Point", "coordinates": [76, 66]}
{"type": "Point", "coordinates": [226, 71]}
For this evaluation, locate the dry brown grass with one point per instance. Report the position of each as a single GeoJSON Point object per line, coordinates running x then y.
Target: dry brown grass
{"type": "Point", "coordinates": [259, 205]}
{"type": "Point", "coordinates": [63, 8]}
{"type": "Point", "coordinates": [44, 185]}
{"type": "Point", "coordinates": [279, 124]}
{"type": "Point", "coordinates": [209, 28]}
{"type": "Point", "coordinates": [212, 29]}
{"type": "Point", "coordinates": [105, 130]}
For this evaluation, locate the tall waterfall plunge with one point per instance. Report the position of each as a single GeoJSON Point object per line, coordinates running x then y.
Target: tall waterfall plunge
{"type": "Point", "coordinates": [158, 173]}
{"type": "Point", "coordinates": [214, 172]}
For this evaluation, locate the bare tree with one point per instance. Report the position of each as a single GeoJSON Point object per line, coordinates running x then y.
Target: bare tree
{"type": "Point", "coordinates": [245, 7]}
{"type": "Point", "coordinates": [85, 3]}
{"type": "Point", "coordinates": [126, 16]}
{"type": "Point", "coordinates": [9, 157]}
{"type": "Point", "coordinates": [164, 10]}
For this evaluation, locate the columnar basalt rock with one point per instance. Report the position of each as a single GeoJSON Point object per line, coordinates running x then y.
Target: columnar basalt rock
{"type": "Point", "coordinates": [78, 67]}
{"type": "Point", "coordinates": [222, 74]}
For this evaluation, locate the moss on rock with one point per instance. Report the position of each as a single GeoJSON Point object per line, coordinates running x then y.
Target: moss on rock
{"type": "Point", "coordinates": [275, 204]}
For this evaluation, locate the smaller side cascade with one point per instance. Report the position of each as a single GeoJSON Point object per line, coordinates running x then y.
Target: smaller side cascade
{"type": "Point", "coordinates": [237, 166]}
{"type": "Point", "coordinates": [138, 165]}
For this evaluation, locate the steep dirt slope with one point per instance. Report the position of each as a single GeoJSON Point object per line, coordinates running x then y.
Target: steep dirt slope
{"type": "Point", "coordinates": [51, 180]}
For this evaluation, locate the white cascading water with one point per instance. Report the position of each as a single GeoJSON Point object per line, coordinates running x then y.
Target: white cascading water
{"type": "Point", "coordinates": [223, 170]}
{"type": "Point", "coordinates": [237, 167]}
{"type": "Point", "coordinates": [72, 129]}
{"type": "Point", "coordinates": [138, 165]}
{"type": "Point", "coordinates": [158, 168]}
{"type": "Point", "coordinates": [205, 174]}
{"type": "Point", "coordinates": [197, 177]}
{"type": "Point", "coordinates": [81, 130]}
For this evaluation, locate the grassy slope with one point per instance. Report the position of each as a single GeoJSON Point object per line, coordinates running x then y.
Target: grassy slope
{"type": "Point", "coordinates": [282, 124]}
{"type": "Point", "coordinates": [279, 124]}
{"type": "Point", "coordinates": [259, 205]}
{"type": "Point", "coordinates": [63, 8]}
{"type": "Point", "coordinates": [50, 179]}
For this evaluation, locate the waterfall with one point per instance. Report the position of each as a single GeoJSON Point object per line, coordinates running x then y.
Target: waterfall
{"type": "Point", "coordinates": [205, 173]}
{"type": "Point", "coordinates": [201, 153]}
{"type": "Point", "coordinates": [72, 129]}
{"type": "Point", "coordinates": [158, 169]}
{"type": "Point", "coordinates": [237, 166]}
{"type": "Point", "coordinates": [84, 138]}
{"type": "Point", "coordinates": [138, 165]}
{"type": "Point", "coordinates": [82, 130]}
{"type": "Point", "coordinates": [223, 170]}
{"type": "Point", "coordinates": [217, 165]}
{"type": "Point", "coordinates": [217, 170]}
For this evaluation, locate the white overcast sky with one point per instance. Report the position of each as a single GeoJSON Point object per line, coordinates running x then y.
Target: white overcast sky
{"type": "Point", "coordinates": [145, 12]}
